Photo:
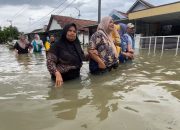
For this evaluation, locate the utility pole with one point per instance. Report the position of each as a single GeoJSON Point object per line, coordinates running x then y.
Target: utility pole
{"type": "Point", "coordinates": [11, 30]}
{"type": "Point", "coordinates": [99, 11]}
{"type": "Point", "coordinates": [79, 13]}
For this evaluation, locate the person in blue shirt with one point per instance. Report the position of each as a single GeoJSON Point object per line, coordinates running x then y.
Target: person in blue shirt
{"type": "Point", "coordinates": [127, 42]}
{"type": "Point", "coordinates": [130, 37]}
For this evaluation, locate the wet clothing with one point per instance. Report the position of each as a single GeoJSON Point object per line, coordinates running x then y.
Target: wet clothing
{"type": "Point", "coordinates": [37, 45]}
{"type": "Point", "coordinates": [105, 51]}
{"type": "Point", "coordinates": [116, 36]}
{"type": "Point", "coordinates": [47, 45]}
{"type": "Point", "coordinates": [124, 42]}
{"type": "Point", "coordinates": [94, 69]}
{"type": "Point", "coordinates": [65, 57]}
{"type": "Point", "coordinates": [71, 74]}
{"type": "Point", "coordinates": [22, 50]}
{"type": "Point", "coordinates": [102, 42]}
{"type": "Point", "coordinates": [130, 40]}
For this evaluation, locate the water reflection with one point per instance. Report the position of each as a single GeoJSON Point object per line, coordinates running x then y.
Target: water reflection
{"type": "Point", "coordinates": [24, 61]}
{"type": "Point", "coordinates": [69, 100]}
{"type": "Point", "coordinates": [74, 95]}
{"type": "Point", "coordinates": [148, 88]}
{"type": "Point", "coordinates": [102, 101]}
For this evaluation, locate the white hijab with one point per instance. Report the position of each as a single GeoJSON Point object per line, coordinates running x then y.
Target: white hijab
{"type": "Point", "coordinates": [37, 39]}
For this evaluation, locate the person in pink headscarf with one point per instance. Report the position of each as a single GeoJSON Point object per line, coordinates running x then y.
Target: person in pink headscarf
{"type": "Point", "coordinates": [101, 49]}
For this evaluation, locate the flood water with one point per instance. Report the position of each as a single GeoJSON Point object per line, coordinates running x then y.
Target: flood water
{"type": "Point", "coordinates": [143, 95]}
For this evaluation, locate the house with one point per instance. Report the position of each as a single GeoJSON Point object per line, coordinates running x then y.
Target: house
{"type": "Point", "coordinates": [151, 20]}
{"type": "Point", "coordinates": [41, 32]}
{"type": "Point", "coordinates": [157, 20]}
{"type": "Point", "coordinates": [57, 22]}
{"type": "Point", "coordinates": [118, 15]}
{"type": "Point", "coordinates": [139, 5]}
{"type": "Point", "coordinates": [159, 25]}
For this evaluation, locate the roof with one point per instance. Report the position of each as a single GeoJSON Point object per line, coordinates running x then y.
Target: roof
{"type": "Point", "coordinates": [122, 13]}
{"type": "Point", "coordinates": [63, 20]}
{"type": "Point", "coordinates": [146, 3]}
{"type": "Point", "coordinates": [168, 12]}
{"type": "Point", "coordinates": [37, 30]}
{"type": "Point", "coordinates": [143, 2]}
{"type": "Point", "coordinates": [118, 15]}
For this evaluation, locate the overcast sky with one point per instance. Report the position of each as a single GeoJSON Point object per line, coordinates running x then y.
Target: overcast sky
{"type": "Point", "coordinates": [28, 15]}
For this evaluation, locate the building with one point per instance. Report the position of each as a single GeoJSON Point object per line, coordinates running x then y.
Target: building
{"type": "Point", "coordinates": [160, 25]}
{"type": "Point", "coordinates": [151, 21]}
{"type": "Point", "coordinates": [41, 32]}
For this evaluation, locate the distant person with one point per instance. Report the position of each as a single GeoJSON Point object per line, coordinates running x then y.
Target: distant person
{"type": "Point", "coordinates": [101, 42]}
{"type": "Point", "coordinates": [52, 39]}
{"type": "Point", "coordinates": [64, 59]}
{"type": "Point", "coordinates": [47, 44]}
{"type": "Point", "coordinates": [22, 46]}
{"type": "Point", "coordinates": [37, 43]}
{"type": "Point", "coordinates": [126, 52]}
{"type": "Point", "coordinates": [130, 37]}
{"type": "Point", "coordinates": [116, 37]}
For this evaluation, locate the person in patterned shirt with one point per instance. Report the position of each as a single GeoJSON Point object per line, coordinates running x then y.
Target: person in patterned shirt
{"type": "Point", "coordinates": [101, 41]}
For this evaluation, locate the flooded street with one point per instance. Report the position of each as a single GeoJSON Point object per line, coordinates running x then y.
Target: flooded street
{"type": "Point", "coordinates": [143, 95]}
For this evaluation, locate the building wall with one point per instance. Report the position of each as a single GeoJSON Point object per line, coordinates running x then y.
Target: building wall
{"type": "Point", "coordinates": [54, 25]}
{"type": "Point", "coordinates": [166, 9]}
{"type": "Point", "coordinates": [148, 29]}
{"type": "Point", "coordinates": [86, 38]}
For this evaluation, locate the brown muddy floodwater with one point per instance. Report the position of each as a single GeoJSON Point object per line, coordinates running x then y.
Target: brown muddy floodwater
{"type": "Point", "coordinates": [142, 95]}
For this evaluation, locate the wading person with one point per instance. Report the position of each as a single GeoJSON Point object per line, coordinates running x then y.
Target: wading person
{"type": "Point", "coordinates": [22, 46]}
{"type": "Point", "coordinates": [101, 49]}
{"type": "Point", "coordinates": [130, 37]}
{"type": "Point", "coordinates": [37, 43]}
{"type": "Point", "coordinates": [127, 52]}
{"type": "Point", "coordinates": [65, 56]}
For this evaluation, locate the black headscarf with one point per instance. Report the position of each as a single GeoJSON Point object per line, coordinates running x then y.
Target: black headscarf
{"type": "Point", "coordinates": [68, 52]}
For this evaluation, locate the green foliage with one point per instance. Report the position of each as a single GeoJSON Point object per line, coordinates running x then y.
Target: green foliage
{"type": "Point", "coordinates": [8, 34]}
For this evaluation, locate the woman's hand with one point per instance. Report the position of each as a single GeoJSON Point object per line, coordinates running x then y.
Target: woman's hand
{"type": "Point", "coordinates": [101, 65]}
{"type": "Point", "coordinates": [129, 55]}
{"type": "Point", "coordinates": [29, 50]}
{"type": "Point", "coordinates": [59, 80]}
{"type": "Point", "coordinates": [16, 52]}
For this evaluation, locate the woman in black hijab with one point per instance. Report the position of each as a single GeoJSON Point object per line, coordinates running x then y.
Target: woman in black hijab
{"type": "Point", "coordinates": [65, 56]}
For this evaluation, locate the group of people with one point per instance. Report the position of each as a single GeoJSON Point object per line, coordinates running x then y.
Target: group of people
{"type": "Point", "coordinates": [110, 45]}
{"type": "Point", "coordinates": [23, 46]}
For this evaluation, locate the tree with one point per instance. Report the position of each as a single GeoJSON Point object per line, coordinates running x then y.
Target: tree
{"type": "Point", "coordinates": [8, 34]}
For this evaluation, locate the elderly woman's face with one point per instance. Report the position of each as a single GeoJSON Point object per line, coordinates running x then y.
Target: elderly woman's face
{"type": "Point", "coordinates": [71, 34]}
{"type": "Point", "coordinates": [111, 25]}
